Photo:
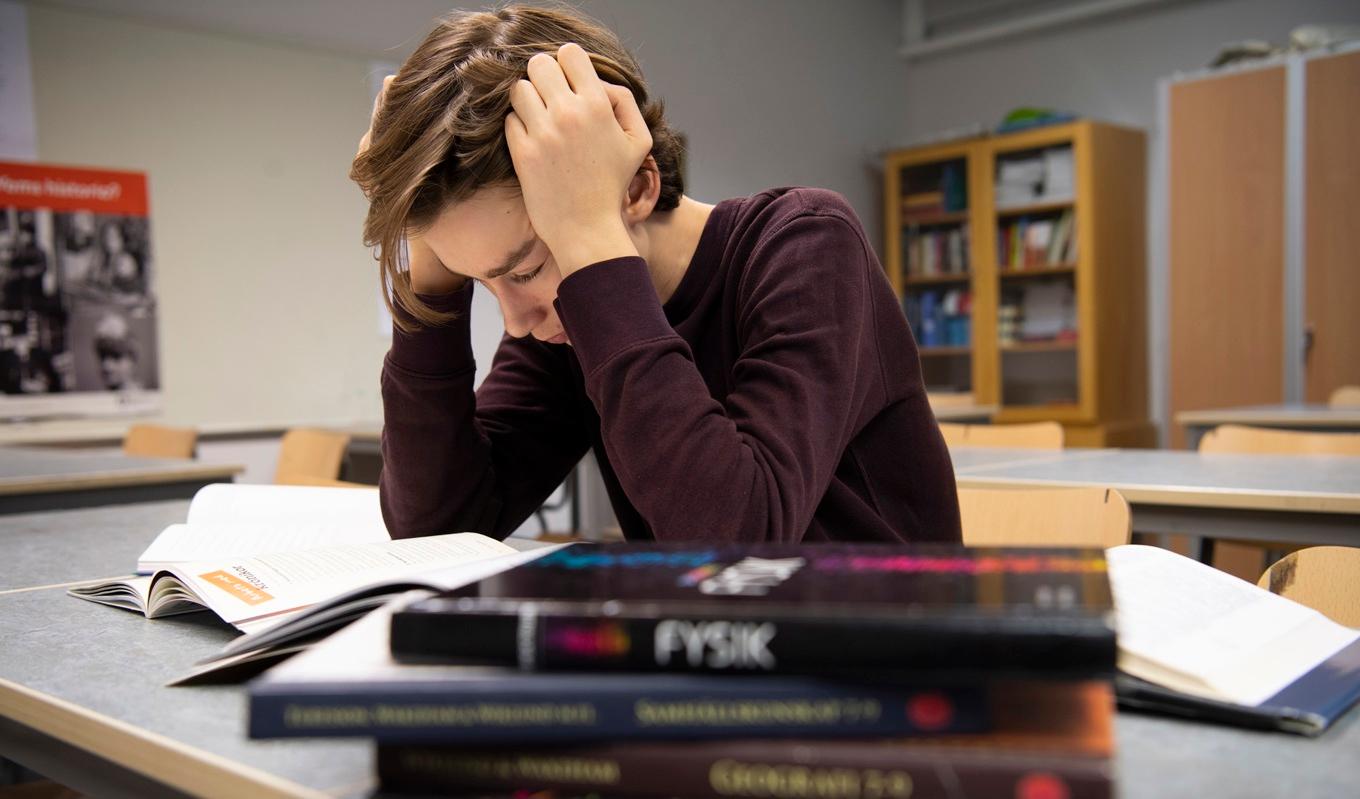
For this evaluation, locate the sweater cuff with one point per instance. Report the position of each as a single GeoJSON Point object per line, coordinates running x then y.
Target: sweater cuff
{"type": "Point", "coordinates": [609, 306]}
{"type": "Point", "coordinates": [442, 350]}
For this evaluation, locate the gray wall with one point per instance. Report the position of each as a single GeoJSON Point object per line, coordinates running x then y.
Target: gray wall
{"type": "Point", "coordinates": [1107, 69]}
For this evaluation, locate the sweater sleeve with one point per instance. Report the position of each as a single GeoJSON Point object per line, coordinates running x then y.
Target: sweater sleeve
{"type": "Point", "coordinates": [754, 465]}
{"type": "Point", "coordinates": [454, 461]}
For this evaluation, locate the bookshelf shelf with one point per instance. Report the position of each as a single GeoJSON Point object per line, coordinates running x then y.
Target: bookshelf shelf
{"type": "Point", "coordinates": [937, 280]}
{"type": "Point", "coordinates": [1034, 209]}
{"type": "Point", "coordinates": [927, 352]}
{"type": "Point", "coordinates": [1060, 345]}
{"type": "Point", "coordinates": [1038, 271]}
{"type": "Point", "coordinates": [942, 218]}
{"type": "Point", "coordinates": [1092, 250]}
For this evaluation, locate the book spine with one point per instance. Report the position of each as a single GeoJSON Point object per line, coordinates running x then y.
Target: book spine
{"type": "Point", "coordinates": [712, 708]}
{"type": "Point", "coordinates": [796, 770]}
{"type": "Point", "coordinates": [536, 639]}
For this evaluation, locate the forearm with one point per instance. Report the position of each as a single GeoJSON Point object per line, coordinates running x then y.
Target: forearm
{"type": "Point", "coordinates": [457, 461]}
{"type": "Point", "coordinates": [749, 468]}
{"type": "Point", "coordinates": [431, 462]}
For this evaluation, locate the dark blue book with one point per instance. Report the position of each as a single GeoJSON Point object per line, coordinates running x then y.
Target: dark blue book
{"type": "Point", "coordinates": [778, 608]}
{"type": "Point", "coordinates": [350, 686]}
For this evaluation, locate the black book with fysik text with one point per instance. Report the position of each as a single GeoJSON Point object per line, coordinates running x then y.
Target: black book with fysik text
{"type": "Point", "coordinates": [778, 608]}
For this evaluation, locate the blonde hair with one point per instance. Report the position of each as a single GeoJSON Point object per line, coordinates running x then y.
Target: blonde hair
{"type": "Point", "coordinates": [439, 136]}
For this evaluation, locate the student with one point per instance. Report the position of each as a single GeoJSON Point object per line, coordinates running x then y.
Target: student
{"type": "Point", "coordinates": [742, 371]}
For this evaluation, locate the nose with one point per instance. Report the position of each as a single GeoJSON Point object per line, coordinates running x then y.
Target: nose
{"type": "Point", "coordinates": [522, 313]}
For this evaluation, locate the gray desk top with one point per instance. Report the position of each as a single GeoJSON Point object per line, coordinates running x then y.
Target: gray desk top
{"type": "Point", "coordinates": [1318, 483]}
{"type": "Point", "coordinates": [35, 469]}
{"type": "Point", "coordinates": [1303, 415]}
{"type": "Point", "coordinates": [970, 460]}
{"type": "Point", "coordinates": [115, 664]}
{"type": "Point", "coordinates": [65, 546]}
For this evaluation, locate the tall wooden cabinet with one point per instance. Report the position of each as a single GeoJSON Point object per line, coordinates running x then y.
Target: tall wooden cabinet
{"type": "Point", "coordinates": [1020, 260]}
{"type": "Point", "coordinates": [1263, 233]}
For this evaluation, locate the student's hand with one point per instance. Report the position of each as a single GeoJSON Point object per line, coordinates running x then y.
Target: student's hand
{"type": "Point", "coordinates": [576, 142]}
{"type": "Point", "coordinates": [428, 275]}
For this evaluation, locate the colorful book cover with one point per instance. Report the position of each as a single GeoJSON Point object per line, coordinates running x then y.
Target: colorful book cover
{"type": "Point", "coordinates": [778, 608]}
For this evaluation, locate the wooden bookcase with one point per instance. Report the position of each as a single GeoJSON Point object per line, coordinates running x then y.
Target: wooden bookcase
{"type": "Point", "coordinates": [1072, 346]}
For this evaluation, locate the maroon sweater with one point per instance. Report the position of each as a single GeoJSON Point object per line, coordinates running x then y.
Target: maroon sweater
{"type": "Point", "coordinates": [777, 396]}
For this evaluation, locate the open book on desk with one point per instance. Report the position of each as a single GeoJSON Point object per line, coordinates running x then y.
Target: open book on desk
{"type": "Point", "coordinates": [260, 556]}
{"type": "Point", "coordinates": [1196, 642]}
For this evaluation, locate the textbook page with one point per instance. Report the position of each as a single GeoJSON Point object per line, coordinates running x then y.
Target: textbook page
{"type": "Point", "coordinates": [227, 520]}
{"type": "Point", "coordinates": [267, 588]}
{"type": "Point", "coordinates": [1194, 629]}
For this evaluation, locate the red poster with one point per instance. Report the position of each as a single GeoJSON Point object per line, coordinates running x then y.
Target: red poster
{"type": "Point", "coordinates": [78, 317]}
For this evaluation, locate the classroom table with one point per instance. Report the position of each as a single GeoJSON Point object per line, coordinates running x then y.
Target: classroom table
{"type": "Point", "coordinates": [45, 479]}
{"type": "Point", "coordinates": [1287, 416]}
{"type": "Point", "coordinates": [108, 542]}
{"type": "Point", "coordinates": [82, 700]}
{"type": "Point", "coordinates": [1312, 499]}
{"type": "Point", "coordinates": [967, 412]}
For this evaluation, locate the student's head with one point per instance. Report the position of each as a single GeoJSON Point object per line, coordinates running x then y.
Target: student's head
{"type": "Point", "coordinates": [438, 165]}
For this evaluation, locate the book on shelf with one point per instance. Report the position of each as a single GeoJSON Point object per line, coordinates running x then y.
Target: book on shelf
{"type": "Point", "coordinates": [1047, 176]}
{"type": "Point", "coordinates": [936, 252]}
{"type": "Point", "coordinates": [350, 685]}
{"type": "Point", "coordinates": [777, 608]}
{"type": "Point", "coordinates": [1035, 243]}
{"type": "Point", "coordinates": [1052, 735]}
{"type": "Point", "coordinates": [287, 563]}
{"type": "Point", "coordinates": [1199, 643]}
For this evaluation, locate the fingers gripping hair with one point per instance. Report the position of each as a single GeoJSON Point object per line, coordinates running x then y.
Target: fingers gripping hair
{"type": "Point", "coordinates": [439, 135]}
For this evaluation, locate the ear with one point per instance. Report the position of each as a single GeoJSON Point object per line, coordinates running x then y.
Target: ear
{"type": "Point", "coordinates": [643, 192]}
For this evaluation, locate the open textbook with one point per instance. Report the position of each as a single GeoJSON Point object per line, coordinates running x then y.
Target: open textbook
{"type": "Point", "coordinates": [1202, 643]}
{"type": "Point", "coordinates": [258, 556]}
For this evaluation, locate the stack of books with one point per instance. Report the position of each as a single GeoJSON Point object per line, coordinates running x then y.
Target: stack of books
{"type": "Point", "coordinates": [692, 670]}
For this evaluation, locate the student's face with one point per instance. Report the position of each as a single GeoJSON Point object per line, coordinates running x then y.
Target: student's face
{"type": "Point", "coordinates": [489, 231]}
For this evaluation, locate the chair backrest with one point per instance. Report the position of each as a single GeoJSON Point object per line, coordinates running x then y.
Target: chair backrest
{"type": "Point", "coordinates": [155, 441]}
{"type": "Point", "coordinates": [1036, 435]}
{"type": "Point", "coordinates": [1240, 439]}
{"type": "Point", "coordinates": [306, 456]}
{"type": "Point", "coordinates": [1044, 517]}
{"type": "Point", "coordinates": [303, 480]}
{"type": "Point", "coordinates": [950, 399]}
{"type": "Point", "coordinates": [1345, 397]}
{"type": "Point", "coordinates": [1326, 579]}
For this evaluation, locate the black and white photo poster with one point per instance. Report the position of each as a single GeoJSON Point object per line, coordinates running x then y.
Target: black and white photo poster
{"type": "Point", "coordinates": [78, 316]}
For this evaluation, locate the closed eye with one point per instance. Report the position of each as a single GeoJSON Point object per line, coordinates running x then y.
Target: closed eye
{"type": "Point", "coordinates": [526, 276]}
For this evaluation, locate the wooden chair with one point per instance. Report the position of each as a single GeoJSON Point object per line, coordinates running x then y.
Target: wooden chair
{"type": "Point", "coordinates": [950, 399]}
{"type": "Point", "coordinates": [1345, 397]}
{"type": "Point", "coordinates": [155, 441]}
{"type": "Point", "coordinates": [1038, 435]}
{"type": "Point", "coordinates": [1326, 579]}
{"type": "Point", "coordinates": [1245, 559]}
{"type": "Point", "coordinates": [311, 457]}
{"type": "Point", "coordinates": [302, 480]}
{"type": "Point", "coordinates": [1044, 517]}
{"type": "Point", "coordinates": [1243, 440]}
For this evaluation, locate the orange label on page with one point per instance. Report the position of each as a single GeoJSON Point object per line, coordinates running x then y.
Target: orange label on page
{"type": "Point", "coordinates": [237, 587]}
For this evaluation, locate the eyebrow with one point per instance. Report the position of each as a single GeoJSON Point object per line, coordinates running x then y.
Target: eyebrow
{"type": "Point", "coordinates": [513, 259]}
